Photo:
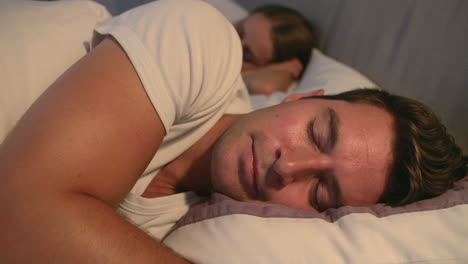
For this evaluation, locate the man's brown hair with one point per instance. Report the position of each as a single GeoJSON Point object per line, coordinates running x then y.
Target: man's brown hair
{"type": "Point", "coordinates": [427, 161]}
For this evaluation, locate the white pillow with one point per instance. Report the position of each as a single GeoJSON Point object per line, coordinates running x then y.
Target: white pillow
{"type": "Point", "coordinates": [222, 230]}
{"type": "Point", "coordinates": [39, 41]}
{"type": "Point", "coordinates": [322, 72]}
{"type": "Point", "coordinates": [230, 9]}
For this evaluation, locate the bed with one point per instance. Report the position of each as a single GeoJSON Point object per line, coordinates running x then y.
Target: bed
{"type": "Point", "coordinates": [377, 44]}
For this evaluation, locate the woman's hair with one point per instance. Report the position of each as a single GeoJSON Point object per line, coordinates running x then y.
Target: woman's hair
{"type": "Point", "coordinates": [427, 161]}
{"type": "Point", "coordinates": [292, 35]}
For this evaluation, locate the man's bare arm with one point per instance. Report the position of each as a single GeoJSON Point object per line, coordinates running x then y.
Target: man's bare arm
{"type": "Point", "coordinates": [74, 155]}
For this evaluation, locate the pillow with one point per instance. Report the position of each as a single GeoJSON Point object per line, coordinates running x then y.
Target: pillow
{"type": "Point", "coordinates": [230, 9]}
{"type": "Point", "coordinates": [223, 230]}
{"type": "Point", "coordinates": [322, 72]}
{"type": "Point", "coordinates": [40, 40]}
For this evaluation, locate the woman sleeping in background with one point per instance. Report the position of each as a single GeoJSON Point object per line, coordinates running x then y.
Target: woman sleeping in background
{"type": "Point", "coordinates": [277, 43]}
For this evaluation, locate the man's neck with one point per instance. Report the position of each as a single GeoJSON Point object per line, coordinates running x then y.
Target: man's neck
{"type": "Point", "coordinates": [191, 171]}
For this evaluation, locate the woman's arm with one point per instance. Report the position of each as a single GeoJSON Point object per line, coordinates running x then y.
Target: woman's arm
{"type": "Point", "coordinates": [73, 156]}
{"type": "Point", "coordinates": [266, 81]}
{"type": "Point", "coordinates": [276, 77]}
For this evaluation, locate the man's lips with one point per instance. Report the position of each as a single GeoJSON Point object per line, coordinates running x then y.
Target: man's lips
{"type": "Point", "coordinates": [247, 172]}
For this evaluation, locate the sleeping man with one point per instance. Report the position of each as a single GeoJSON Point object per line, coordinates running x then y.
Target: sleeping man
{"type": "Point", "coordinates": [156, 113]}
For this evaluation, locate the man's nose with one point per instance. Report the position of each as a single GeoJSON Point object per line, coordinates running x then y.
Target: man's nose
{"type": "Point", "coordinates": [298, 165]}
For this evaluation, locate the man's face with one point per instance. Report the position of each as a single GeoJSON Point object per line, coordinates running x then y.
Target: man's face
{"type": "Point", "coordinates": [307, 154]}
{"type": "Point", "coordinates": [255, 34]}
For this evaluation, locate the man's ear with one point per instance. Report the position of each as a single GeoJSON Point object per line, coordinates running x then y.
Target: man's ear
{"type": "Point", "coordinates": [297, 96]}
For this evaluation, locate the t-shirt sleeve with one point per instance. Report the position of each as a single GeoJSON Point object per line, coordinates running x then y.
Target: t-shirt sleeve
{"type": "Point", "coordinates": [240, 103]}
{"type": "Point", "coordinates": [187, 56]}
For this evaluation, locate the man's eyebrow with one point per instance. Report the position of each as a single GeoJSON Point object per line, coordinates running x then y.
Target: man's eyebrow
{"type": "Point", "coordinates": [334, 126]}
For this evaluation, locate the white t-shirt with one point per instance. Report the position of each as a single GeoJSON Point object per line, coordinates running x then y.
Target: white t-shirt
{"type": "Point", "coordinates": [188, 58]}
